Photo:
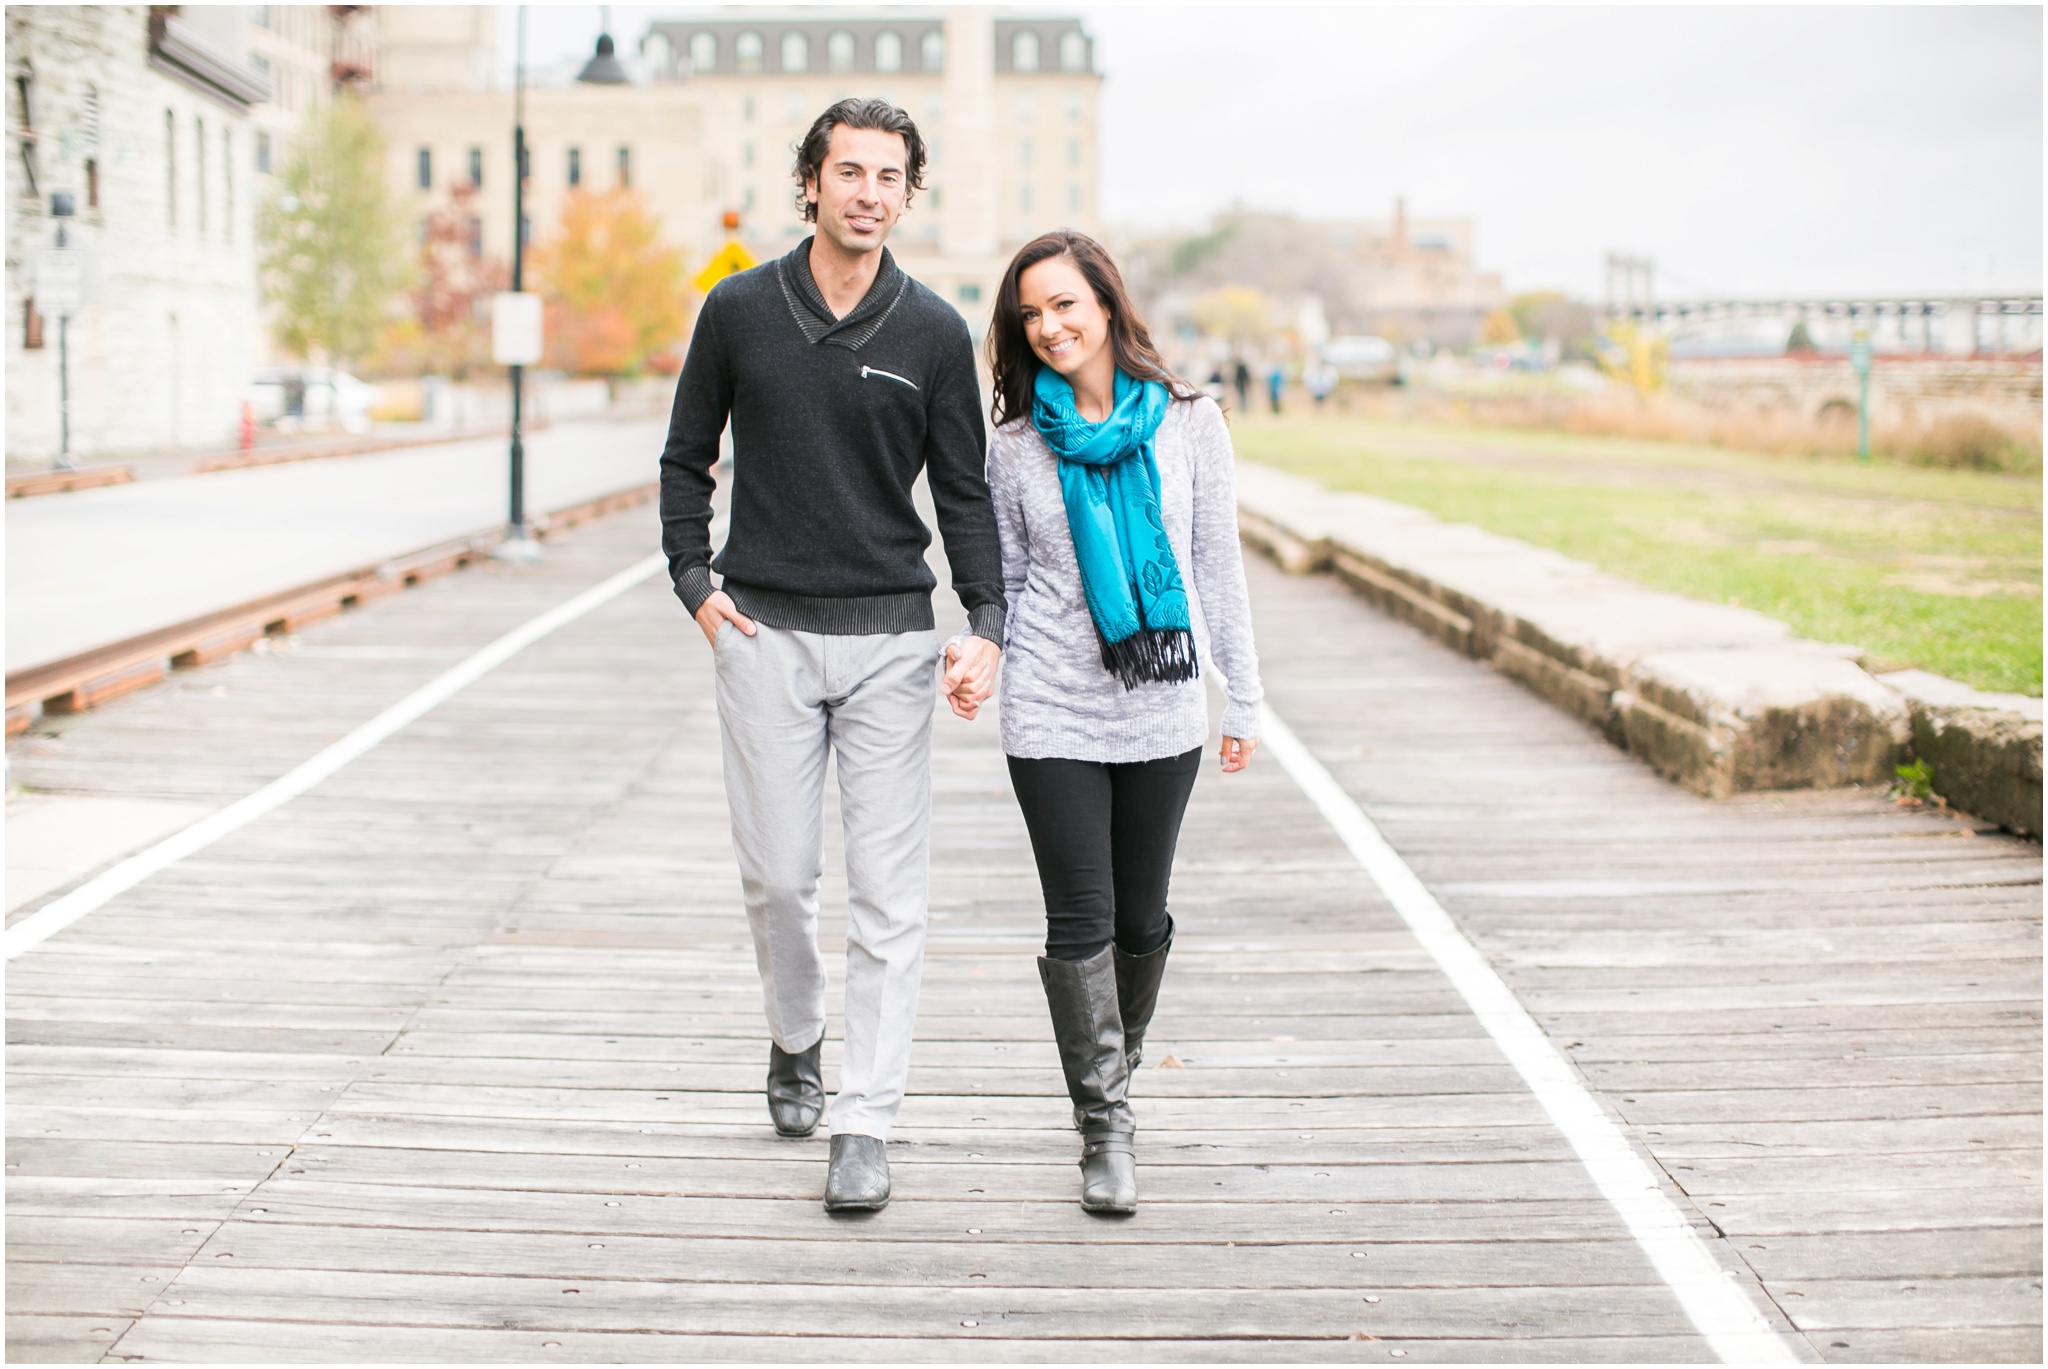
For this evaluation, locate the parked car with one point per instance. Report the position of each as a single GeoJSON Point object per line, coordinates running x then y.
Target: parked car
{"type": "Point", "coordinates": [297, 399]}
{"type": "Point", "coordinates": [1362, 357]}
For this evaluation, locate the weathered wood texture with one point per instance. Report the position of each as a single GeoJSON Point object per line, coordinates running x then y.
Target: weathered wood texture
{"type": "Point", "coordinates": [458, 1057]}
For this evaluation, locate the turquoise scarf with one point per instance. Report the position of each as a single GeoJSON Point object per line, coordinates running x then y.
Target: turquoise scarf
{"type": "Point", "coordinates": [1110, 482]}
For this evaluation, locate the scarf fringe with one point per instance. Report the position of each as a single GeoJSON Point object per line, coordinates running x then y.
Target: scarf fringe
{"type": "Point", "coordinates": [1151, 656]}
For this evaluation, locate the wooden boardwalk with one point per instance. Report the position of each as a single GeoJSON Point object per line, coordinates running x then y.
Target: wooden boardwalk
{"type": "Point", "coordinates": [458, 1057]}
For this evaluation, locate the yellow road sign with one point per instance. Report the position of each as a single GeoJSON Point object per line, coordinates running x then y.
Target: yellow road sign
{"type": "Point", "coordinates": [730, 261]}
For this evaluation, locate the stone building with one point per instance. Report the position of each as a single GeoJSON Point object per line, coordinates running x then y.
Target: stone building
{"type": "Point", "coordinates": [1007, 104]}
{"type": "Point", "coordinates": [143, 119]}
{"type": "Point", "coordinates": [159, 122]}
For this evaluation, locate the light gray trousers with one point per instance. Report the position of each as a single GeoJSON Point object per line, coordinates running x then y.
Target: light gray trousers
{"type": "Point", "coordinates": [784, 699]}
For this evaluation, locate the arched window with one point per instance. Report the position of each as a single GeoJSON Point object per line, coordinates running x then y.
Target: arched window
{"type": "Point", "coordinates": [1073, 51]}
{"type": "Point", "coordinates": [932, 49]}
{"type": "Point", "coordinates": [656, 50]}
{"type": "Point", "coordinates": [888, 51]}
{"type": "Point", "coordinates": [704, 52]}
{"type": "Point", "coordinates": [747, 48]}
{"type": "Point", "coordinates": [1024, 51]}
{"type": "Point", "coordinates": [839, 51]}
{"type": "Point", "coordinates": [796, 52]}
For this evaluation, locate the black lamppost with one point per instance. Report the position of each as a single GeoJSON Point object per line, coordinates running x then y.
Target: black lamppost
{"type": "Point", "coordinates": [517, 517]}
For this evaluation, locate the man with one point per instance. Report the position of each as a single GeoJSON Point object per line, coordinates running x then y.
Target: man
{"type": "Point", "coordinates": [842, 378]}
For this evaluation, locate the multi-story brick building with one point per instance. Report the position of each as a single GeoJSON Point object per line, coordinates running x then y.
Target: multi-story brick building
{"type": "Point", "coordinates": [1008, 105]}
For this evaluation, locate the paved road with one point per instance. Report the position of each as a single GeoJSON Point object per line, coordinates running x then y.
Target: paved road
{"type": "Point", "coordinates": [97, 566]}
{"type": "Point", "coordinates": [458, 1056]}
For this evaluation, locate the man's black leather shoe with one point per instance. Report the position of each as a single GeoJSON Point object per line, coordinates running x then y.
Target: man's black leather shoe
{"type": "Point", "coordinates": [796, 1089]}
{"type": "Point", "coordinates": [858, 1180]}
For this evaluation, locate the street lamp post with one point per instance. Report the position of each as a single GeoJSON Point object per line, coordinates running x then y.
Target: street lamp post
{"type": "Point", "coordinates": [517, 517]}
{"type": "Point", "coordinates": [60, 210]}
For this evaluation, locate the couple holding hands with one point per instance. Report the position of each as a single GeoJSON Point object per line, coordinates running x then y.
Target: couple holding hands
{"type": "Point", "coordinates": [1093, 542]}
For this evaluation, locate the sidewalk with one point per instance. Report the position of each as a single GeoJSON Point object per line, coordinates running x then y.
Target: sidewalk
{"type": "Point", "coordinates": [97, 566]}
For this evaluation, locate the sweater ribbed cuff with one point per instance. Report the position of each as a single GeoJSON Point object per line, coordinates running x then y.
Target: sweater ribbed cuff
{"type": "Point", "coordinates": [694, 586]}
{"type": "Point", "coordinates": [1240, 720]}
{"type": "Point", "coordinates": [987, 621]}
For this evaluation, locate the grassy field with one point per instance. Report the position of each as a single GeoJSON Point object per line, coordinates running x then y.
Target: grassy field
{"type": "Point", "coordinates": [1932, 568]}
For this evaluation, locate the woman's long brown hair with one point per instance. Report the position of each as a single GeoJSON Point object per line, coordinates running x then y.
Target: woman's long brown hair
{"type": "Point", "coordinates": [1014, 365]}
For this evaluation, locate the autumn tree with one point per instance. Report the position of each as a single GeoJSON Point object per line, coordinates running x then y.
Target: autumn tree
{"type": "Point", "coordinates": [614, 291]}
{"type": "Point", "coordinates": [448, 330]}
{"type": "Point", "coordinates": [332, 249]}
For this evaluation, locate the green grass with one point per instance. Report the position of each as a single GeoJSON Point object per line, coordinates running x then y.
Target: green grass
{"type": "Point", "coordinates": [1938, 569]}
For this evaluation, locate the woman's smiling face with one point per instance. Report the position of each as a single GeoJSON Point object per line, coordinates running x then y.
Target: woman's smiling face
{"type": "Point", "coordinates": [1063, 321]}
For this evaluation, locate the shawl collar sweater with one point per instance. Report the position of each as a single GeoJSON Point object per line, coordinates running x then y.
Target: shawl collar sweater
{"type": "Point", "coordinates": [832, 419]}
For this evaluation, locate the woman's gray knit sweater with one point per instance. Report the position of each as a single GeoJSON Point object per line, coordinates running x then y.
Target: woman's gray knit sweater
{"type": "Point", "coordinates": [1057, 699]}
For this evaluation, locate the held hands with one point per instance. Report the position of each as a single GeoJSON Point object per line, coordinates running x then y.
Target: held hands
{"type": "Point", "coordinates": [718, 609]}
{"type": "Point", "coordinates": [1236, 753]}
{"type": "Point", "coordinates": [970, 674]}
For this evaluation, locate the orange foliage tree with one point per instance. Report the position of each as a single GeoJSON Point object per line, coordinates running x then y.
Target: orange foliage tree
{"type": "Point", "coordinates": [614, 291]}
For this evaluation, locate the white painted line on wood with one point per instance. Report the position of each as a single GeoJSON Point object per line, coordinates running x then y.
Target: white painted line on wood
{"type": "Point", "coordinates": [54, 917]}
{"type": "Point", "coordinates": [1722, 1312]}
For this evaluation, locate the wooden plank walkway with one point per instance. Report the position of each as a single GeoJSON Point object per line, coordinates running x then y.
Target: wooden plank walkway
{"type": "Point", "coordinates": [458, 1057]}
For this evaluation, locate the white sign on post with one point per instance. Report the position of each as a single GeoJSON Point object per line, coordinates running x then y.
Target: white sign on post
{"type": "Point", "coordinates": [515, 328]}
{"type": "Point", "coordinates": [66, 279]}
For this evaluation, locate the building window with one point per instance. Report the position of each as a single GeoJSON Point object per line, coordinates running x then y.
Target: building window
{"type": "Point", "coordinates": [1023, 152]}
{"type": "Point", "coordinates": [425, 169]}
{"type": "Point", "coordinates": [1027, 107]}
{"type": "Point", "coordinates": [31, 325]}
{"type": "Point", "coordinates": [748, 206]}
{"type": "Point", "coordinates": [747, 109]}
{"type": "Point", "coordinates": [1024, 198]}
{"type": "Point", "coordinates": [970, 294]}
{"type": "Point", "coordinates": [1073, 197]}
{"type": "Point", "coordinates": [839, 52]}
{"type": "Point", "coordinates": [747, 155]}
{"type": "Point", "coordinates": [747, 49]}
{"type": "Point", "coordinates": [92, 183]}
{"type": "Point", "coordinates": [227, 184]}
{"type": "Point", "coordinates": [796, 52]}
{"type": "Point", "coordinates": [793, 108]}
{"type": "Point", "coordinates": [263, 153]}
{"type": "Point", "coordinates": [1074, 105]}
{"type": "Point", "coordinates": [625, 168]}
{"type": "Point", "coordinates": [888, 51]}
{"type": "Point", "coordinates": [1024, 51]}
{"type": "Point", "coordinates": [259, 15]}
{"type": "Point", "coordinates": [476, 167]}
{"type": "Point", "coordinates": [1073, 51]}
{"type": "Point", "coordinates": [90, 117]}
{"type": "Point", "coordinates": [199, 167]}
{"type": "Point", "coordinates": [575, 166]}
{"type": "Point", "coordinates": [704, 52]}
{"type": "Point", "coordinates": [476, 237]}
{"type": "Point", "coordinates": [171, 168]}
{"type": "Point", "coordinates": [931, 49]}
{"type": "Point", "coordinates": [1073, 152]}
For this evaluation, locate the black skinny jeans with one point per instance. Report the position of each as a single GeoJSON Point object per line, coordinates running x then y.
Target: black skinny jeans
{"type": "Point", "coordinates": [1104, 837]}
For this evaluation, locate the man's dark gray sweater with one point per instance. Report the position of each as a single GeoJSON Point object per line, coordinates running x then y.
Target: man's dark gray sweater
{"type": "Point", "coordinates": [831, 421]}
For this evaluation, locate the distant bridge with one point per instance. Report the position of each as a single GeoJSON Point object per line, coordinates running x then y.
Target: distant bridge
{"type": "Point", "coordinates": [1936, 323]}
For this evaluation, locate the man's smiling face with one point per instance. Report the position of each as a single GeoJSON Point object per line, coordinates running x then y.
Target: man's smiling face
{"type": "Point", "coordinates": [861, 187]}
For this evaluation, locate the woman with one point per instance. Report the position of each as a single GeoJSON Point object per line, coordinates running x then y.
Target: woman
{"type": "Point", "coordinates": [1115, 500]}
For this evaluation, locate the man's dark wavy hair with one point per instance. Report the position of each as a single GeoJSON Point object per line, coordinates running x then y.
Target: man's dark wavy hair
{"type": "Point", "coordinates": [851, 113]}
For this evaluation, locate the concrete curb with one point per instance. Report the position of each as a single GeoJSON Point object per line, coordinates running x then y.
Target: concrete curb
{"type": "Point", "coordinates": [1722, 699]}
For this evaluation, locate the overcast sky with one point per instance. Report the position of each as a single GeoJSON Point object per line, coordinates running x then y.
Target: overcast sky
{"type": "Point", "coordinates": [1747, 151]}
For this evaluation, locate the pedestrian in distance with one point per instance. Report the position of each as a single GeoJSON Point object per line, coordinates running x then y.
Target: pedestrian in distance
{"type": "Point", "coordinates": [1241, 377]}
{"type": "Point", "coordinates": [1321, 378]}
{"type": "Point", "coordinates": [842, 379]}
{"type": "Point", "coordinates": [1115, 499]}
{"type": "Point", "coordinates": [1276, 380]}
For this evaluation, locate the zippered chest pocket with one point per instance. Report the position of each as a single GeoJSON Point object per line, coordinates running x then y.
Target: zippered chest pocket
{"type": "Point", "coordinates": [875, 373]}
